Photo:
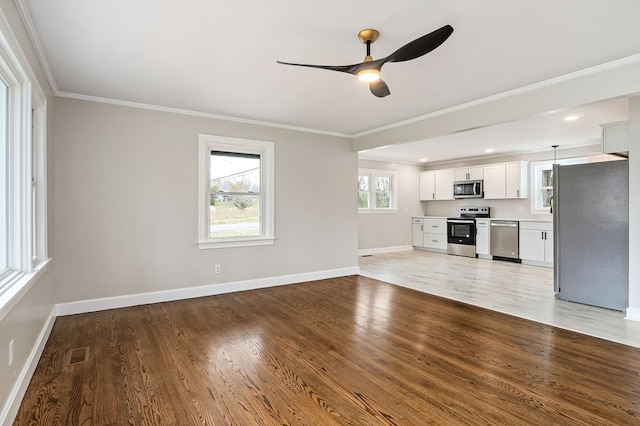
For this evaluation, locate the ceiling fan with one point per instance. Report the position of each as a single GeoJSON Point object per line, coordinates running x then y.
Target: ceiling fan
{"type": "Point", "coordinates": [369, 69]}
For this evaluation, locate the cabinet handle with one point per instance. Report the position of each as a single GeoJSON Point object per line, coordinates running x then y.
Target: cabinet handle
{"type": "Point", "coordinates": [434, 241]}
{"type": "Point", "coordinates": [422, 227]}
{"type": "Point", "coordinates": [518, 193]}
{"type": "Point", "coordinates": [434, 226]}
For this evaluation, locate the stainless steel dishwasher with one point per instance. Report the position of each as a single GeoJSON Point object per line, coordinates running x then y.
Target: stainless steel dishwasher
{"type": "Point", "coordinates": [504, 239]}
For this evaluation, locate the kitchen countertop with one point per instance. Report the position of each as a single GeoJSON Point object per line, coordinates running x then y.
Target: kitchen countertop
{"type": "Point", "coordinates": [541, 220]}
{"type": "Point", "coordinates": [431, 217]}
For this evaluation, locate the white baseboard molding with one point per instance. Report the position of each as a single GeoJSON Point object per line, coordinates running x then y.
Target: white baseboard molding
{"type": "Point", "coordinates": [632, 314]}
{"type": "Point", "coordinates": [21, 384]}
{"type": "Point", "coordinates": [368, 252]}
{"type": "Point", "coordinates": [537, 263]}
{"type": "Point", "coordinates": [125, 301]}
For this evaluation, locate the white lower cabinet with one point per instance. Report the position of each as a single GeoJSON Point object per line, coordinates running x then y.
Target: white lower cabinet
{"type": "Point", "coordinates": [482, 238]}
{"type": "Point", "coordinates": [536, 243]}
{"type": "Point", "coordinates": [434, 233]}
{"type": "Point", "coordinates": [417, 231]}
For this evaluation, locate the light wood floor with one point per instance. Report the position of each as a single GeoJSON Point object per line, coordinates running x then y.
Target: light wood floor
{"type": "Point", "coordinates": [347, 351]}
{"type": "Point", "coordinates": [520, 290]}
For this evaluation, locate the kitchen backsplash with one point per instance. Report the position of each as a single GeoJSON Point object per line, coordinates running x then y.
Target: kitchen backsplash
{"type": "Point", "coordinates": [513, 209]}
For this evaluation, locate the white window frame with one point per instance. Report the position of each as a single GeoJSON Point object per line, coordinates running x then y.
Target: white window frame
{"type": "Point", "coordinates": [266, 150]}
{"type": "Point", "coordinates": [536, 179]}
{"type": "Point", "coordinates": [26, 173]}
{"type": "Point", "coordinates": [393, 203]}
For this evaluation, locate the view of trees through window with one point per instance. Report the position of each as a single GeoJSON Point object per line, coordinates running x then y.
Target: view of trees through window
{"type": "Point", "coordinates": [383, 192]}
{"type": "Point", "coordinates": [235, 199]}
{"type": "Point", "coordinates": [363, 192]}
{"type": "Point", "coordinates": [376, 189]}
{"type": "Point", "coordinates": [547, 187]}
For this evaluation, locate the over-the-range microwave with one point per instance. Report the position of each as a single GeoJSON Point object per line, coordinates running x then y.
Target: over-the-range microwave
{"type": "Point", "coordinates": [468, 189]}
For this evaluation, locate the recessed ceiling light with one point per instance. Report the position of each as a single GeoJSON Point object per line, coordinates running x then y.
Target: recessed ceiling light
{"type": "Point", "coordinates": [488, 150]}
{"type": "Point", "coordinates": [571, 117]}
{"type": "Point", "coordinates": [423, 160]}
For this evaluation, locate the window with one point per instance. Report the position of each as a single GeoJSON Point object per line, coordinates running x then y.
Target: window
{"type": "Point", "coordinates": [542, 187]}
{"type": "Point", "coordinates": [4, 171]}
{"type": "Point", "coordinates": [377, 190]}
{"type": "Point", "coordinates": [236, 192]}
{"type": "Point", "coordinates": [542, 183]}
{"type": "Point", "coordinates": [23, 246]}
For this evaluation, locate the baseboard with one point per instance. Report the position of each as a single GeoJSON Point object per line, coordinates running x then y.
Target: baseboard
{"type": "Point", "coordinates": [14, 399]}
{"type": "Point", "coordinates": [632, 314]}
{"type": "Point", "coordinates": [537, 263]}
{"type": "Point", "coordinates": [115, 302]}
{"type": "Point", "coordinates": [369, 252]}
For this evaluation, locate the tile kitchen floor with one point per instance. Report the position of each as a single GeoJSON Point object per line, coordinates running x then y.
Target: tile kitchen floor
{"type": "Point", "coordinates": [511, 288]}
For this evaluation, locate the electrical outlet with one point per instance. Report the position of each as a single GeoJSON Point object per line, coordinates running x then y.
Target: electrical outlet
{"type": "Point", "coordinates": [217, 269]}
{"type": "Point", "coordinates": [11, 353]}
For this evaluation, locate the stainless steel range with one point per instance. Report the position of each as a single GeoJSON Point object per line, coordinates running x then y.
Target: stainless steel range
{"type": "Point", "coordinates": [461, 231]}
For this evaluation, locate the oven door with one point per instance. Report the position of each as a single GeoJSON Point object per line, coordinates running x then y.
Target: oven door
{"type": "Point", "coordinates": [461, 231]}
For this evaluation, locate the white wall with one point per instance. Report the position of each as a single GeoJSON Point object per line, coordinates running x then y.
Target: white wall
{"type": "Point", "coordinates": [125, 215]}
{"type": "Point", "coordinates": [391, 230]}
{"type": "Point", "coordinates": [24, 325]}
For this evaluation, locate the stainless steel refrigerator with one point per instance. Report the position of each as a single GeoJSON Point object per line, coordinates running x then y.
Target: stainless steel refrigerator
{"type": "Point", "coordinates": [591, 233]}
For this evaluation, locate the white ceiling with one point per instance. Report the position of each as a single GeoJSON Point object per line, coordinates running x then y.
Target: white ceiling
{"type": "Point", "coordinates": [531, 135]}
{"type": "Point", "coordinates": [219, 57]}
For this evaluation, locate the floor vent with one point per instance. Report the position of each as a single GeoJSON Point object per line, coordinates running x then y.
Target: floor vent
{"type": "Point", "coordinates": [78, 355]}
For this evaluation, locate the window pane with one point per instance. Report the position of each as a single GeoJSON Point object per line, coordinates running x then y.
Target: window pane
{"type": "Point", "coordinates": [235, 172]}
{"type": "Point", "coordinates": [546, 197]}
{"type": "Point", "coordinates": [235, 216]}
{"type": "Point", "coordinates": [383, 192]}
{"type": "Point", "coordinates": [234, 209]}
{"type": "Point", "coordinates": [363, 192]}
{"type": "Point", "coordinates": [547, 177]}
{"type": "Point", "coordinates": [4, 171]}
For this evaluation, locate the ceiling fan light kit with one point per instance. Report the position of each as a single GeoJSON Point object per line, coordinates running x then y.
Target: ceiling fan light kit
{"type": "Point", "coordinates": [369, 70]}
{"type": "Point", "coordinates": [368, 75]}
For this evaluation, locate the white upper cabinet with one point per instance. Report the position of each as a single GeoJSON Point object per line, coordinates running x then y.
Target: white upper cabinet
{"type": "Point", "coordinates": [615, 137]}
{"type": "Point", "coordinates": [517, 182]}
{"type": "Point", "coordinates": [444, 184]}
{"type": "Point", "coordinates": [469, 173]}
{"type": "Point", "coordinates": [436, 185]}
{"type": "Point", "coordinates": [506, 180]}
{"type": "Point", "coordinates": [495, 181]}
{"type": "Point", "coordinates": [427, 186]}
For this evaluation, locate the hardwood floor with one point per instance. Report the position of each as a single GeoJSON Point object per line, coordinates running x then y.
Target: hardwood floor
{"type": "Point", "coordinates": [352, 350]}
{"type": "Point", "coordinates": [515, 289]}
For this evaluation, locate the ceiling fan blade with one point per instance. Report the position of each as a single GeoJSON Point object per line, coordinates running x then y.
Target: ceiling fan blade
{"type": "Point", "coordinates": [341, 68]}
{"type": "Point", "coordinates": [421, 46]}
{"type": "Point", "coordinates": [350, 69]}
{"type": "Point", "coordinates": [379, 88]}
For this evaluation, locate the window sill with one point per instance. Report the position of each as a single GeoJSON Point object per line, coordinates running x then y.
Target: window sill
{"type": "Point", "coordinates": [540, 211]}
{"type": "Point", "coordinates": [19, 287]}
{"type": "Point", "coordinates": [250, 242]}
{"type": "Point", "coordinates": [376, 211]}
